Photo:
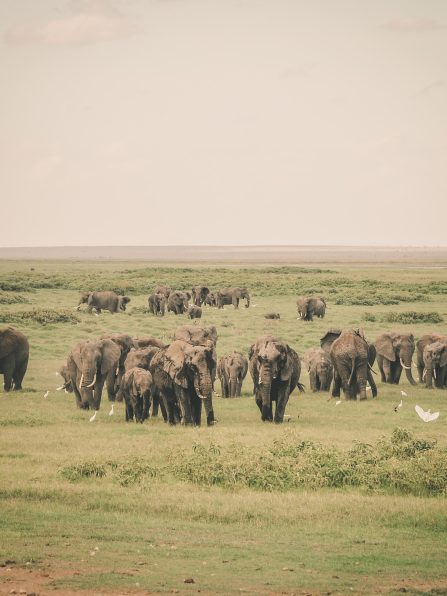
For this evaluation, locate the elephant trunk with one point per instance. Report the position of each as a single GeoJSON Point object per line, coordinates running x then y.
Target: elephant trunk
{"type": "Point", "coordinates": [247, 303]}
{"type": "Point", "coordinates": [405, 362]}
{"type": "Point", "coordinates": [203, 385]}
{"type": "Point", "coordinates": [429, 376]}
{"type": "Point", "coordinates": [88, 379]}
{"type": "Point", "coordinates": [233, 386]}
{"type": "Point", "coordinates": [266, 385]}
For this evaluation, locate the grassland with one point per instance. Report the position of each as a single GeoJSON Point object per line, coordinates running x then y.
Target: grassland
{"type": "Point", "coordinates": [111, 506]}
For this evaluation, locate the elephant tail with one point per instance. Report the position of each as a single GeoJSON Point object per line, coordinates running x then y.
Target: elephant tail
{"type": "Point", "coordinates": [300, 387]}
{"type": "Point", "coordinates": [351, 376]}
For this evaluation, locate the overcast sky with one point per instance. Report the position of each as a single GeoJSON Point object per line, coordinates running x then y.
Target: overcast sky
{"type": "Point", "coordinates": [223, 122]}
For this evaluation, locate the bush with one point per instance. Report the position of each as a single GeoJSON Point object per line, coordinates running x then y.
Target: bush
{"type": "Point", "coordinates": [369, 316]}
{"type": "Point", "coordinates": [43, 316]}
{"type": "Point", "coordinates": [76, 472]}
{"type": "Point", "coordinates": [6, 298]}
{"type": "Point", "coordinates": [407, 318]}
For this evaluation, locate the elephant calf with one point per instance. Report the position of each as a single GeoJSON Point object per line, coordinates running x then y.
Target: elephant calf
{"type": "Point", "coordinates": [310, 306]}
{"type": "Point", "coordinates": [232, 370]}
{"type": "Point", "coordinates": [435, 361]}
{"type": "Point", "coordinates": [136, 388]}
{"type": "Point", "coordinates": [157, 304]}
{"type": "Point", "coordinates": [194, 312]}
{"type": "Point", "coordinates": [320, 369]}
{"type": "Point", "coordinates": [272, 315]}
{"type": "Point", "coordinates": [110, 301]}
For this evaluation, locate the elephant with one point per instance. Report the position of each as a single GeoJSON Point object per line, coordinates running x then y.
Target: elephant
{"type": "Point", "coordinates": [14, 355]}
{"type": "Point", "coordinates": [211, 299]}
{"type": "Point", "coordinates": [182, 374]}
{"type": "Point", "coordinates": [200, 336]}
{"type": "Point", "coordinates": [64, 372]}
{"type": "Point", "coordinates": [177, 302]}
{"type": "Point", "coordinates": [136, 389]}
{"type": "Point", "coordinates": [310, 306]}
{"type": "Point", "coordinates": [275, 369]}
{"type": "Point", "coordinates": [395, 352]}
{"type": "Point", "coordinates": [157, 304]}
{"type": "Point", "coordinates": [320, 369]}
{"type": "Point", "coordinates": [232, 296]}
{"type": "Point", "coordinates": [165, 290]}
{"type": "Point", "coordinates": [110, 301]}
{"type": "Point", "coordinates": [272, 315]}
{"type": "Point", "coordinates": [232, 370]}
{"type": "Point", "coordinates": [92, 363]}
{"type": "Point", "coordinates": [352, 358]}
{"type": "Point", "coordinates": [435, 361]}
{"type": "Point", "coordinates": [125, 344]}
{"type": "Point", "coordinates": [424, 341]}
{"type": "Point", "coordinates": [194, 312]}
{"type": "Point", "coordinates": [199, 294]}
{"type": "Point", "coordinates": [145, 342]}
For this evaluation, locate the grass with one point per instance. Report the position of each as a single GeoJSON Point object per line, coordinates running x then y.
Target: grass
{"type": "Point", "coordinates": [342, 499]}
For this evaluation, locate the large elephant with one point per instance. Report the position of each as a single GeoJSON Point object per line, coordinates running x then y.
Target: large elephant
{"type": "Point", "coordinates": [200, 336]}
{"type": "Point", "coordinates": [182, 375]}
{"type": "Point", "coordinates": [310, 306]}
{"type": "Point", "coordinates": [199, 294]}
{"type": "Point", "coordinates": [64, 372]}
{"type": "Point", "coordinates": [92, 363]}
{"type": "Point", "coordinates": [136, 389]}
{"type": "Point", "coordinates": [275, 369]}
{"type": "Point", "coordinates": [178, 302]}
{"type": "Point", "coordinates": [352, 358]}
{"type": "Point", "coordinates": [14, 354]}
{"type": "Point", "coordinates": [394, 353]}
{"type": "Point", "coordinates": [320, 369]}
{"type": "Point", "coordinates": [232, 296]}
{"type": "Point", "coordinates": [142, 358]}
{"type": "Point", "coordinates": [157, 304]}
{"type": "Point", "coordinates": [125, 343]}
{"type": "Point", "coordinates": [232, 370]}
{"type": "Point", "coordinates": [424, 341]}
{"type": "Point", "coordinates": [435, 361]}
{"type": "Point", "coordinates": [110, 301]}
{"type": "Point", "coordinates": [165, 290]}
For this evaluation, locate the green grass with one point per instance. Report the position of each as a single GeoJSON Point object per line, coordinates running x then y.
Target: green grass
{"type": "Point", "coordinates": [341, 499]}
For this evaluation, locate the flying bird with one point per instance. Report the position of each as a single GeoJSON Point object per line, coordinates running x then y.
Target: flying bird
{"type": "Point", "coordinates": [46, 394]}
{"type": "Point", "coordinates": [399, 405]}
{"type": "Point", "coordinates": [403, 394]}
{"type": "Point", "coordinates": [94, 416]}
{"type": "Point", "coordinates": [111, 411]}
{"type": "Point", "coordinates": [427, 416]}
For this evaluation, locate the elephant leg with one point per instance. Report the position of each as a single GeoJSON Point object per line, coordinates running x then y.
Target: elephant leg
{"type": "Point", "coordinates": [382, 372]}
{"type": "Point", "coordinates": [146, 407]}
{"type": "Point", "coordinates": [19, 373]}
{"type": "Point", "coordinates": [420, 368]}
{"type": "Point", "coordinates": [239, 389]}
{"type": "Point", "coordinates": [312, 381]}
{"type": "Point", "coordinates": [129, 409]}
{"type": "Point", "coordinates": [336, 386]}
{"type": "Point", "coordinates": [387, 371]}
{"type": "Point", "coordinates": [111, 385]}
{"type": "Point", "coordinates": [397, 373]}
{"type": "Point", "coordinates": [7, 380]}
{"type": "Point", "coordinates": [281, 403]}
{"type": "Point", "coordinates": [185, 405]}
{"type": "Point", "coordinates": [258, 400]}
{"type": "Point", "coordinates": [196, 410]}
{"type": "Point", "coordinates": [99, 385]}
{"type": "Point", "coordinates": [235, 302]}
{"type": "Point", "coordinates": [372, 384]}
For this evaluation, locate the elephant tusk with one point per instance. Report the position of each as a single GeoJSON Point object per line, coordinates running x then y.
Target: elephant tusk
{"type": "Point", "coordinates": [434, 371]}
{"type": "Point", "coordinates": [61, 387]}
{"type": "Point", "coordinates": [93, 382]}
{"type": "Point", "coordinates": [117, 371]}
{"type": "Point", "coordinates": [81, 381]}
{"type": "Point", "coordinates": [424, 372]}
{"type": "Point", "coordinates": [403, 365]}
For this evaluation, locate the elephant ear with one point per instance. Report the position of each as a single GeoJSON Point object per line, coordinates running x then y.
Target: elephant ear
{"type": "Point", "coordinates": [328, 339]}
{"type": "Point", "coordinates": [174, 364]}
{"type": "Point", "coordinates": [111, 354]}
{"type": "Point", "coordinates": [287, 362]}
{"type": "Point", "coordinates": [75, 354]}
{"type": "Point", "coordinates": [443, 357]}
{"type": "Point", "coordinates": [384, 347]}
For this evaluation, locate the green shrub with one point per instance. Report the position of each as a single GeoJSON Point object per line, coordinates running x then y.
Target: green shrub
{"type": "Point", "coordinates": [407, 318]}
{"type": "Point", "coordinates": [6, 298]}
{"type": "Point", "coordinates": [369, 316]}
{"type": "Point", "coordinates": [87, 469]}
{"type": "Point", "coordinates": [43, 316]}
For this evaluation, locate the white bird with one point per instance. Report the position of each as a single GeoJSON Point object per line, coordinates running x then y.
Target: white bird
{"type": "Point", "coordinates": [337, 403]}
{"type": "Point", "coordinates": [403, 394]}
{"type": "Point", "coordinates": [46, 394]}
{"type": "Point", "coordinates": [427, 416]}
{"type": "Point", "coordinates": [94, 416]}
{"type": "Point", "coordinates": [399, 405]}
{"type": "Point", "coordinates": [111, 411]}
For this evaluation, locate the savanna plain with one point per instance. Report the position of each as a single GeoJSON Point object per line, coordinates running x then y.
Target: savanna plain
{"type": "Point", "coordinates": [342, 499]}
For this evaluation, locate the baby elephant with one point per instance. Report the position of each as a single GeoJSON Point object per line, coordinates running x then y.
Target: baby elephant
{"type": "Point", "coordinates": [194, 312]}
{"type": "Point", "coordinates": [136, 388]}
{"type": "Point", "coordinates": [231, 370]}
{"type": "Point", "coordinates": [319, 367]}
{"type": "Point", "coordinates": [272, 315]}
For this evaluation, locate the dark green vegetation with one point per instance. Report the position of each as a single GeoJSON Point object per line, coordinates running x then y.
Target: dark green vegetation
{"type": "Point", "coordinates": [341, 499]}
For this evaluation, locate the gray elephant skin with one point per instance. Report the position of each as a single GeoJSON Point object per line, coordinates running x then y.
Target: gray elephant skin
{"type": "Point", "coordinates": [352, 358]}
{"type": "Point", "coordinates": [394, 353]}
{"type": "Point", "coordinates": [310, 306]}
{"type": "Point", "coordinates": [178, 302]}
{"type": "Point", "coordinates": [424, 341]}
{"type": "Point", "coordinates": [211, 300]}
{"type": "Point", "coordinates": [272, 315]}
{"type": "Point", "coordinates": [435, 361]}
{"type": "Point", "coordinates": [14, 355]}
{"type": "Point", "coordinates": [99, 301]}
{"type": "Point", "coordinates": [125, 343]}
{"type": "Point", "coordinates": [232, 370]}
{"type": "Point", "coordinates": [275, 369]}
{"type": "Point", "coordinates": [232, 296]}
{"type": "Point", "coordinates": [145, 342]}
{"type": "Point", "coordinates": [199, 294]}
{"type": "Point", "coordinates": [165, 290]}
{"type": "Point", "coordinates": [157, 304]}
{"type": "Point", "coordinates": [182, 375]}
{"type": "Point", "coordinates": [320, 369]}
{"type": "Point", "coordinates": [91, 364]}
{"type": "Point", "coordinates": [194, 312]}
{"type": "Point", "coordinates": [136, 389]}
{"type": "Point", "coordinates": [200, 336]}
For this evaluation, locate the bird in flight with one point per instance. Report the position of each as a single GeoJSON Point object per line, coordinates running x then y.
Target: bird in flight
{"type": "Point", "coordinates": [427, 416]}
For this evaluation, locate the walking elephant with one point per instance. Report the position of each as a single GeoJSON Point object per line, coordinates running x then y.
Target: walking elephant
{"type": "Point", "coordinates": [435, 361]}
{"type": "Point", "coordinates": [64, 372]}
{"type": "Point", "coordinates": [157, 304]}
{"type": "Point", "coordinates": [165, 290]}
{"type": "Point", "coordinates": [99, 301]}
{"type": "Point", "coordinates": [200, 336]}
{"type": "Point", "coordinates": [320, 369]}
{"type": "Point", "coordinates": [91, 363]}
{"type": "Point", "coordinates": [136, 389]}
{"type": "Point", "coordinates": [232, 370]}
{"type": "Point", "coordinates": [352, 358]}
{"type": "Point", "coordinates": [14, 354]}
{"type": "Point", "coordinates": [125, 343]}
{"type": "Point", "coordinates": [199, 294]}
{"type": "Point", "coordinates": [182, 375]}
{"type": "Point", "coordinates": [178, 302]}
{"type": "Point", "coordinates": [272, 315]}
{"type": "Point", "coordinates": [211, 299]}
{"type": "Point", "coordinates": [424, 341]}
{"type": "Point", "coordinates": [275, 369]}
{"type": "Point", "coordinates": [394, 353]}
{"type": "Point", "coordinates": [310, 306]}
{"type": "Point", "coordinates": [194, 312]}
{"type": "Point", "coordinates": [232, 296]}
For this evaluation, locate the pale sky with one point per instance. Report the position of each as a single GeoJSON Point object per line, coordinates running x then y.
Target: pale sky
{"type": "Point", "coordinates": [142, 122]}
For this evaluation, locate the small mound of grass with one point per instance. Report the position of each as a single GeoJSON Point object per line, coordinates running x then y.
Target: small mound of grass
{"type": "Point", "coordinates": [86, 469]}
{"type": "Point", "coordinates": [43, 316]}
{"type": "Point", "coordinates": [8, 298]}
{"type": "Point", "coordinates": [407, 318]}
{"type": "Point", "coordinates": [139, 310]}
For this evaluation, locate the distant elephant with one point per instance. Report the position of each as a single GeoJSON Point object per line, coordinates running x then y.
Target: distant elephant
{"type": "Point", "coordinates": [200, 336]}
{"type": "Point", "coordinates": [275, 369]}
{"type": "Point", "coordinates": [199, 294]}
{"type": "Point", "coordinates": [395, 352]}
{"type": "Point", "coordinates": [14, 354]}
{"type": "Point", "coordinates": [232, 370]}
{"type": "Point", "coordinates": [435, 361]}
{"type": "Point", "coordinates": [424, 341]}
{"type": "Point", "coordinates": [136, 389]}
{"type": "Point", "coordinates": [178, 302]}
{"type": "Point", "coordinates": [194, 312]}
{"type": "Point", "coordinates": [182, 375]}
{"type": "Point", "coordinates": [145, 342]}
{"type": "Point", "coordinates": [165, 290]}
{"type": "Point", "coordinates": [125, 343]}
{"type": "Point", "coordinates": [272, 315]}
{"type": "Point", "coordinates": [352, 358]}
{"type": "Point", "coordinates": [320, 369]}
{"type": "Point", "coordinates": [103, 301]}
{"type": "Point", "coordinates": [310, 306]}
{"type": "Point", "coordinates": [211, 299]}
{"type": "Point", "coordinates": [157, 304]}
{"type": "Point", "coordinates": [232, 296]}
{"type": "Point", "coordinates": [92, 363]}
